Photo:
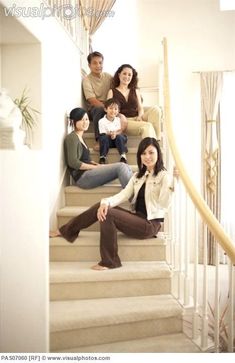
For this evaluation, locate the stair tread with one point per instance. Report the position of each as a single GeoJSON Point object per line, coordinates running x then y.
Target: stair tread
{"type": "Point", "coordinates": [69, 211]}
{"type": "Point", "coordinates": [61, 272]}
{"type": "Point", "coordinates": [114, 151]}
{"type": "Point", "coordinates": [91, 135]}
{"type": "Point", "coordinates": [91, 238]}
{"type": "Point", "coordinates": [74, 314]}
{"type": "Point", "coordinates": [110, 188]}
{"type": "Point", "coordinates": [169, 343]}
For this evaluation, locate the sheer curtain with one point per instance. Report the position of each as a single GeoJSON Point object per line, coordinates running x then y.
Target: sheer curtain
{"type": "Point", "coordinates": [94, 13]}
{"type": "Point", "coordinates": [227, 112]}
{"type": "Point", "coordinates": [211, 91]}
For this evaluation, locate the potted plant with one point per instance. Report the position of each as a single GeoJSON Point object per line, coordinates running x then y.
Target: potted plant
{"type": "Point", "coordinates": [29, 118]}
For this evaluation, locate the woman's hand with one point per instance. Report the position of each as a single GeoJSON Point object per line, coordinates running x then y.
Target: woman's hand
{"type": "Point", "coordinates": [123, 121]}
{"type": "Point", "coordinates": [138, 118]}
{"type": "Point", "coordinates": [102, 212]}
{"type": "Point", "coordinates": [176, 172]}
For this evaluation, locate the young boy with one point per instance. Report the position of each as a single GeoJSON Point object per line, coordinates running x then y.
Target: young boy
{"type": "Point", "coordinates": [110, 132]}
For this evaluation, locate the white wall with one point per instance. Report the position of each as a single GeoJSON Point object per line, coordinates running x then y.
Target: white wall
{"type": "Point", "coordinates": [0, 66]}
{"type": "Point", "coordinates": [117, 37]}
{"type": "Point", "coordinates": [0, 48]}
{"type": "Point", "coordinates": [33, 182]}
{"type": "Point", "coordinates": [61, 91]}
{"type": "Point", "coordinates": [24, 325]}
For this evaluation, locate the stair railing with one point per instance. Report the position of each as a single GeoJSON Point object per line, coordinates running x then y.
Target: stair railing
{"type": "Point", "coordinates": [207, 322]}
{"type": "Point", "coordinates": [69, 14]}
{"type": "Point", "coordinates": [206, 292]}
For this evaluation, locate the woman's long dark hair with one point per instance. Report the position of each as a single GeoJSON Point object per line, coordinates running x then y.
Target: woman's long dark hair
{"type": "Point", "coordinates": [147, 141]}
{"type": "Point", "coordinates": [134, 80]}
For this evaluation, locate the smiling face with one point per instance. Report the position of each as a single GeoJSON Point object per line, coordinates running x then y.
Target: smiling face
{"type": "Point", "coordinates": [112, 111]}
{"type": "Point", "coordinates": [125, 76]}
{"type": "Point", "coordinates": [96, 66]}
{"type": "Point", "coordinates": [149, 157]}
{"type": "Point", "coordinates": [83, 124]}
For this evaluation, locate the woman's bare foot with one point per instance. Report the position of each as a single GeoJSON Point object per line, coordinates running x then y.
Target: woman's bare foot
{"type": "Point", "coordinates": [99, 268]}
{"type": "Point", "coordinates": [54, 233]}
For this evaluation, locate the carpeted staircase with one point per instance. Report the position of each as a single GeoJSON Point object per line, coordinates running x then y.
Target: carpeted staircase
{"type": "Point", "coordinates": [129, 309]}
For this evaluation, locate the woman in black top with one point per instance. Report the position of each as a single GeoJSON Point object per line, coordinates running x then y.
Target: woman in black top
{"type": "Point", "coordinates": [125, 90]}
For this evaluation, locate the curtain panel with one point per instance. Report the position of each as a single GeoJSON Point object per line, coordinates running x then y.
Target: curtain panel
{"type": "Point", "coordinates": [211, 90]}
{"type": "Point", "coordinates": [94, 13]}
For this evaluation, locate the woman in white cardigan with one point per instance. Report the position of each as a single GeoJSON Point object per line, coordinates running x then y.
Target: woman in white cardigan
{"type": "Point", "coordinates": [149, 192]}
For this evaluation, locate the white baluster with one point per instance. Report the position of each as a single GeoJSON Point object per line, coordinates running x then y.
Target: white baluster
{"type": "Point", "coordinates": [172, 223]}
{"type": "Point", "coordinates": [175, 240]}
{"type": "Point", "coordinates": [180, 239]}
{"type": "Point", "coordinates": [170, 235]}
{"type": "Point", "coordinates": [231, 308]}
{"type": "Point", "coordinates": [186, 252]}
{"type": "Point", "coordinates": [204, 333]}
{"type": "Point", "coordinates": [195, 279]}
{"type": "Point", "coordinates": [217, 307]}
{"type": "Point", "coordinates": [177, 225]}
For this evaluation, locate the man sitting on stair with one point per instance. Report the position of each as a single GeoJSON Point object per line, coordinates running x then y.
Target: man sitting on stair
{"type": "Point", "coordinates": [95, 88]}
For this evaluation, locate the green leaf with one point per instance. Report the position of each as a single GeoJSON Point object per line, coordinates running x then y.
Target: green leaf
{"type": "Point", "coordinates": [28, 113]}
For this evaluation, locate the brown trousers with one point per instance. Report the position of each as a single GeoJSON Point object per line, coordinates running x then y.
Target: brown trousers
{"type": "Point", "coordinates": [117, 218]}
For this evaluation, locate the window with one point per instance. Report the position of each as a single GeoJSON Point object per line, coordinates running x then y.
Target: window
{"type": "Point", "coordinates": [227, 5]}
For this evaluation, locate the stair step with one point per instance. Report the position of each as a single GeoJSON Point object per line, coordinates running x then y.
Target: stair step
{"type": "Point", "coordinates": [73, 280]}
{"type": "Point", "coordinates": [86, 248]}
{"type": "Point", "coordinates": [114, 157]}
{"type": "Point", "coordinates": [75, 196]}
{"type": "Point", "coordinates": [77, 323]}
{"type": "Point", "coordinates": [133, 141]}
{"type": "Point", "coordinates": [169, 343]}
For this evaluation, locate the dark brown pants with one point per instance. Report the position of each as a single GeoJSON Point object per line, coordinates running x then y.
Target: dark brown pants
{"type": "Point", "coordinates": [117, 219]}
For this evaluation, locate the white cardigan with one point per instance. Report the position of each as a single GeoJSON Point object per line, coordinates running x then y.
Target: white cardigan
{"type": "Point", "coordinates": [158, 193]}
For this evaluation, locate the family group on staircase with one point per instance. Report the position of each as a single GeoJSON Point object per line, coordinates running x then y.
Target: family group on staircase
{"type": "Point", "coordinates": [115, 107]}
